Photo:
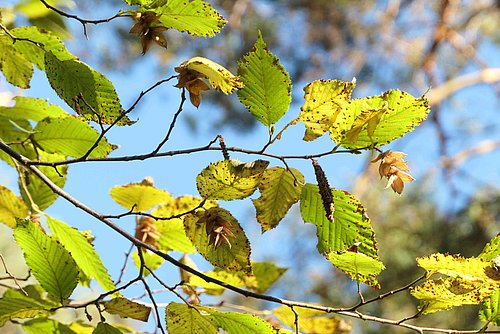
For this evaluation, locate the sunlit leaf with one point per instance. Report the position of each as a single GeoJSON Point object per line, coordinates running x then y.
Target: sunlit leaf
{"type": "Point", "coordinates": [490, 309]}
{"type": "Point", "coordinates": [230, 179]}
{"type": "Point", "coordinates": [11, 207]}
{"type": "Point", "coordinates": [218, 76]}
{"type": "Point", "coordinates": [442, 294]}
{"type": "Point", "coordinates": [46, 39]}
{"type": "Point", "coordinates": [151, 260]}
{"type": "Point", "coordinates": [82, 252]}
{"type": "Point", "coordinates": [267, 85]}
{"type": "Point", "coordinates": [491, 250]}
{"type": "Point", "coordinates": [126, 308]}
{"type": "Point", "coordinates": [105, 328]}
{"type": "Point", "coordinates": [139, 196]}
{"type": "Point", "coordinates": [182, 318]}
{"type": "Point", "coordinates": [172, 234]}
{"type": "Point", "coordinates": [44, 325]}
{"type": "Point", "coordinates": [324, 108]}
{"type": "Point", "coordinates": [16, 69]}
{"type": "Point", "coordinates": [357, 266]}
{"type": "Point", "coordinates": [15, 131]}
{"type": "Point", "coordinates": [85, 90]}
{"type": "Point", "coordinates": [232, 278]}
{"type": "Point", "coordinates": [351, 225]}
{"type": "Point", "coordinates": [70, 136]}
{"type": "Point", "coordinates": [28, 108]}
{"type": "Point", "coordinates": [50, 263]}
{"type": "Point", "coordinates": [20, 306]}
{"type": "Point", "coordinates": [264, 275]}
{"type": "Point", "coordinates": [39, 192]}
{"type": "Point", "coordinates": [196, 17]}
{"type": "Point", "coordinates": [234, 256]}
{"type": "Point", "coordinates": [280, 189]}
{"type": "Point", "coordinates": [311, 321]}
{"type": "Point", "coordinates": [381, 119]}
{"type": "Point", "coordinates": [469, 269]}
{"type": "Point", "coordinates": [81, 328]}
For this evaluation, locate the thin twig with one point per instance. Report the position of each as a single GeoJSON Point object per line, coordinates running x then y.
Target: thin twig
{"type": "Point", "coordinates": [172, 124]}
{"type": "Point", "coordinates": [10, 276]}
{"type": "Point", "coordinates": [83, 22]}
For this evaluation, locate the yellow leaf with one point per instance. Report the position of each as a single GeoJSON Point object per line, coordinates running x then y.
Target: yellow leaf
{"type": "Point", "coordinates": [218, 76]}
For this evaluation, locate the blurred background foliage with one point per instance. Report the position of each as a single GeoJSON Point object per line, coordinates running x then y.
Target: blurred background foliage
{"type": "Point", "coordinates": [448, 46]}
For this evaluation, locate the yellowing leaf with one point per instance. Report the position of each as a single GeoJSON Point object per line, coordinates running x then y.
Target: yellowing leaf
{"type": "Point", "coordinates": [214, 289]}
{"type": "Point", "coordinates": [151, 260]}
{"type": "Point", "coordinates": [280, 189]}
{"type": "Point", "coordinates": [182, 319]}
{"type": "Point", "coordinates": [11, 207]}
{"type": "Point", "coordinates": [17, 305]}
{"type": "Point", "coordinates": [358, 266]}
{"type": "Point", "coordinates": [230, 179]}
{"type": "Point", "coordinates": [324, 108]}
{"type": "Point", "coordinates": [127, 309]}
{"type": "Point", "coordinates": [265, 274]}
{"type": "Point", "coordinates": [233, 256]}
{"type": "Point", "coordinates": [219, 77]}
{"type": "Point", "coordinates": [28, 108]}
{"type": "Point", "coordinates": [171, 231]}
{"type": "Point", "coordinates": [442, 294]}
{"type": "Point", "coordinates": [311, 321]}
{"type": "Point", "coordinates": [139, 196]}
{"type": "Point", "coordinates": [491, 250]}
{"type": "Point", "coordinates": [377, 120]}
{"type": "Point", "coordinates": [468, 269]}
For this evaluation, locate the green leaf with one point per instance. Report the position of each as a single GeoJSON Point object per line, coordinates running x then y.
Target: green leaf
{"type": "Point", "coordinates": [104, 328]}
{"type": "Point", "coordinates": [324, 108]}
{"type": "Point", "coordinates": [29, 108]}
{"type": "Point", "coordinates": [39, 192]}
{"type": "Point", "coordinates": [265, 274]}
{"type": "Point", "coordinates": [34, 53]}
{"type": "Point", "coordinates": [381, 119]}
{"type": "Point", "coordinates": [49, 261]}
{"type": "Point", "coordinates": [82, 252]}
{"type": "Point", "coordinates": [351, 225]}
{"type": "Point", "coordinates": [151, 260]}
{"type": "Point", "coordinates": [233, 322]}
{"type": "Point", "coordinates": [267, 85]}
{"type": "Point", "coordinates": [182, 318]}
{"type": "Point", "coordinates": [491, 250]}
{"type": "Point", "coordinates": [357, 266]}
{"type": "Point", "coordinates": [442, 294]}
{"type": "Point", "coordinates": [127, 309]}
{"type": "Point", "coordinates": [139, 196]}
{"type": "Point", "coordinates": [280, 189]}
{"type": "Point", "coordinates": [11, 207]}
{"type": "Point", "coordinates": [196, 17]}
{"type": "Point", "coordinates": [236, 257]}
{"type": "Point", "coordinates": [46, 326]}
{"type": "Point", "coordinates": [16, 69]}
{"type": "Point", "coordinates": [490, 309]}
{"type": "Point", "coordinates": [233, 278]}
{"type": "Point", "coordinates": [230, 179]}
{"type": "Point", "coordinates": [219, 77]}
{"type": "Point", "coordinates": [70, 136]}
{"type": "Point", "coordinates": [85, 90]}
{"type": "Point", "coordinates": [17, 305]}
{"type": "Point", "coordinates": [16, 131]}
{"type": "Point", "coordinates": [171, 231]}
{"type": "Point", "coordinates": [311, 321]}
